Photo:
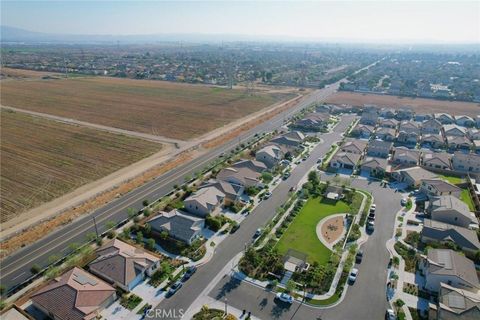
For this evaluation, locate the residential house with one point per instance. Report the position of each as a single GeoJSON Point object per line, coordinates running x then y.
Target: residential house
{"type": "Point", "coordinates": [254, 165]}
{"type": "Point", "coordinates": [458, 143]}
{"type": "Point", "coordinates": [404, 113]}
{"type": "Point", "coordinates": [434, 141]}
{"type": "Point", "coordinates": [291, 140]}
{"type": "Point", "coordinates": [354, 146]}
{"type": "Point", "coordinates": [313, 122]}
{"type": "Point", "coordinates": [438, 232]}
{"type": "Point", "coordinates": [455, 303]}
{"type": "Point", "coordinates": [431, 126]}
{"type": "Point", "coordinates": [379, 148]}
{"type": "Point", "coordinates": [75, 295]}
{"type": "Point", "coordinates": [344, 160]}
{"type": "Point", "coordinates": [420, 117]}
{"type": "Point", "coordinates": [244, 177]}
{"type": "Point", "coordinates": [123, 265]}
{"type": "Point", "coordinates": [437, 160]}
{"type": "Point", "coordinates": [413, 176]}
{"type": "Point", "coordinates": [465, 121]}
{"type": "Point", "coordinates": [408, 132]}
{"type": "Point", "coordinates": [405, 157]}
{"type": "Point", "coordinates": [476, 146]}
{"type": "Point", "coordinates": [448, 266]}
{"type": "Point", "coordinates": [362, 131]}
{"type": "Point", "coordinates": [469, 162]}
{"type": "Point", "coordinates": [233, 192]}
{"type": "Point", "coordinates": [449, 209]}
{"type": "Point", "coordinates": [369, 118]}
{"type": "Point", "coordinates": [444, 118]}
{"type": "Point", "coordinates": [204, 201]}
{"type": "Point", "coordinates": [387, 113]}
{"type": "Point", "coordinates": [439, 187]}
{"type": "Point", "coordinates": [179, 225]}
{"type": "Point", "coordinates": [473, 134]}
{"type": "Point", "coordinates": [454, 130]}
{"type": "Point", "coordinates": [388, 123]}
{"type": "Point", "coordinates": [386, 134]}
{"type": "Point", "coordinates": [270, 155]}
{"type": "Point", "coordinates": [374, 167]}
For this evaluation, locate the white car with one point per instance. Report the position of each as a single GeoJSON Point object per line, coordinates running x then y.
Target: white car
{"type": "Point", "coordinates": [390, 315]}
{"type": "Point", "coordinates": [284, 297]}
{"type": "Point", "coordinates": [403, 202]}
{"type": "Point", "coordinates": [353, 275]}
{"type": "Point", "coordinates": [373, 207]}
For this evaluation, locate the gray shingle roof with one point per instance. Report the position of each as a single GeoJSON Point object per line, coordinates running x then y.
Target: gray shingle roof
{"type": "Point", "coordinates": [463, 237]}
{"type": "Point", "coordinates": [449, 262]}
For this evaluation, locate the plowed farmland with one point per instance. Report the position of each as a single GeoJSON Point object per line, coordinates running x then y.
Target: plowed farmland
{"type": "Point", "coordinates": [173, 110]}
{"type": "Point", "coordinates": [43, 159]}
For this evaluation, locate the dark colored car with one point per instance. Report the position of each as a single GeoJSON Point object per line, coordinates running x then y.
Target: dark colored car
{"type": "Point", "coordinates": [174, 288]}
{"type": "Point", "coordinates": [235, 227]}
{"type": "Point", "coordinates": [359, 256]}
{"type": "Point", "coordinates": [190, 271]}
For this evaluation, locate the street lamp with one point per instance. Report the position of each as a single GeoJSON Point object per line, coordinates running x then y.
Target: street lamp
{"type": "Point", "coordinates": [226, 300]}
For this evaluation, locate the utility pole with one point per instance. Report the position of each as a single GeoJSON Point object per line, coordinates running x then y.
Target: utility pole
{"type": "Point", "coordinates": [95, 224]}
{"type": "Point", "coordinates": [226, 300]}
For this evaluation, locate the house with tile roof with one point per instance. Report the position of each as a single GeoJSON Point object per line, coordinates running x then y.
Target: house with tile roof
{"type": "Point", "coordinates": [379, 148]}
{"type": "Point", "coordinates": [344, 160]}
{"type": "Point", "coordinates": [431, 126]}
{"type": "Point", "coordinates": [204, 201]}
{"type": "Point", "coordinates": [75, 295]}
{"type": "Point", "coordinates": [434, 141]}
{"type": "Point", "coordinates": [270, 155]}
{"type": "Point", "coordinates": [439, 187]}
{"type": "Point", "coordinates": [353, 146]}
{"type": "Point", "coordinates": [374, 167]}
{"type": "Point", "coordinates": [437, 160]}
{"type": "Point", "coordinates": [413, 176]}
{"type": "Point", "coordinates": [455, 304]}
{"type": "Point", "coordinates": [386, 134]}
{"type": "Point", "coordinates": [405, 157]}
{"type": "Point", "coordinates": [448, 266]}
{"type": "Point", "coordinates": [450, 209]}
{"type": "Point", "coordinates": [438, 232]}
{"type": "Point", "coordinates": [466, 162]}
{"type": "Point", "coordinates": [123, 265]}
{"type": "Point", "coordinates": [178, 224]}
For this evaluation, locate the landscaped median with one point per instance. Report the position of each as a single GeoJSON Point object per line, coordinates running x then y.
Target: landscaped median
{"type": "Point", "coordinates": [294, 259]}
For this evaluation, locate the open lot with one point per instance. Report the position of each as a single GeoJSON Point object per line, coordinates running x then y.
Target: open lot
{"type": "Point", "coordinates": [301, 235]}
{"type": "Point", "coordinates": [173, 110]}
{"type": "Point", "coordinates": [43, 159]}
{"type": "Point", "coordinates": [418, 104]}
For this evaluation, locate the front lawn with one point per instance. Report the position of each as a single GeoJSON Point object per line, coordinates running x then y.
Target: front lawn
{"type": "Point", "coordinates": [301, 235]}
{"type": "Point", "coordinates": [465, 197]}
{"type": "Point", "coordinates": [452, 179]}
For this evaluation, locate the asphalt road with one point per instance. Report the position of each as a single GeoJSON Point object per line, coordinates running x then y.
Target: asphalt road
{"type": "Point", "coordinates": [15, 268]}
{"type": "Point", "coordinates": [365, 300]}
{"type": "Point", "coordinates": [259, 217]}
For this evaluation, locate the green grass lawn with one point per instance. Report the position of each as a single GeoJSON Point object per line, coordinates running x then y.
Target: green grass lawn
{"type": "Point", "coordinates": [465, 197]}
{"type": "Point", "coordinates": [452, 179]}
{"type": "Point", "coordinates": [301, 235]}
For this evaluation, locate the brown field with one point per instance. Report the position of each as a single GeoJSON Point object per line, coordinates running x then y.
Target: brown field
{"type": "Point", "coordinates": [43, 159]}
{"type": "Point", "coordinates": [173, 110]}
{"type": "Point", "coordinates": [418, 104]}
{"type": "Point", "coordinates": [27, 74]}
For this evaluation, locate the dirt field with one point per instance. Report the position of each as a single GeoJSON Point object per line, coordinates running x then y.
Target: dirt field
{"type": "Point", "coordinates": [419, 105]}
{"type": "Point", "coordinates": [179, 111]}
{"type": "Point", "coordinates": [43, 159]}
{"type": "Point", "coordinates": [26, 74]}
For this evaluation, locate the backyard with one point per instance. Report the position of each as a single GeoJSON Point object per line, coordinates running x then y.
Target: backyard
{"type": "Point", "coordinates": [465, 197]}
{"type": "Point", "coordinates": [301, 235]}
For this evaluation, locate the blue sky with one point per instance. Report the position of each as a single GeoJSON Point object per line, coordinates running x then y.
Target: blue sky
{"type": "Point", "coordinates": [348, 20]}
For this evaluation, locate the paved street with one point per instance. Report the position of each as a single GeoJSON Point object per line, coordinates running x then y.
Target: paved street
{"type": "Point", "coordinates": [364, 300]}
{"type": "Point", "coordinates": [235, 243]}
{"type": "Point", "coordinates": [16, 267]}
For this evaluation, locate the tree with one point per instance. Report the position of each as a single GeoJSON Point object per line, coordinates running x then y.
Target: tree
{"type": "Point", "coordinates": [290, 287]}
{"type": "Point", "coordinates": [313, 178]}
{"type": "Point", "coordinates": [150, 244]}
{"type": "Point", "coordinates": [2, 289]}
{"type": "Point", "coordinates": [131, 213]}
{"type": "Point", "coordinates": [147, 229]}
{"type": "Point", "coordinates": [91, 236]}
{"type": "Point", "coordinates": [145, 202]}
{"type": "Point", "coordinates": [35, 268]}
{"type": "Point", "coordinates": [110, 224]}
{"type": "Point", "coordinates": [73, 246]}
{"type": "Point", "coordinates": [53, 258]}
{"type": "Point", "coordinates": [139, 237]}
{"type": "Point", "coordinates": [164, 235]}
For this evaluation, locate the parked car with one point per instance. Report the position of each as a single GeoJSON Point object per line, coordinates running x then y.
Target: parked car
{"type": "Point", "coordinates": [298, 161]}
{"type": "Point", "coordinates": [267, 195]}
{"type": "Point", "coordinates": [284, 297]}
{"type": "Point", "coordinates": [403, 202]}
{"type": "Point", "coordinates": [320, 160]}
{"type": "Point", "coordinates": [235, 227]}
{"type": "Point", "coordinates": [353, 275]}
{"type": "Point", "coordinates": [373, 207]}
{"type": "Point", "coordinates": [246, 211]}
{"type": "Point", "coordinates": [359, 256]}
{"type": "Point", "coordinates": [293, 189]}
{"type": "Point", "coordinates": [371, 215]}
{"type": "Point", "coordinates": [174, 288]}
{"type": "Point", "coordinates": [304, 159]}
{"type": "Point", "coordinates": [370, 225]}
{"type": "Point", "coordinates": [390, 315]}
{"type": "Point", "coordinates": [286, 175]}
{"type": "Point", "coordinates": [258, 233]}
{"type": "Point", "coordinates": [190, 271]}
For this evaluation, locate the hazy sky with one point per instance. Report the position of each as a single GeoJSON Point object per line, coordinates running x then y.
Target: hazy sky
{"type": "Point", "coordinates": [453, 21]}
